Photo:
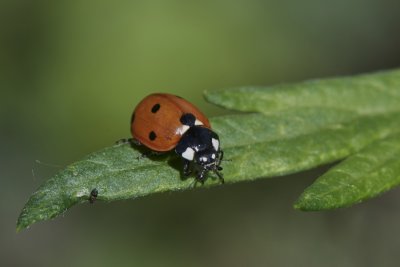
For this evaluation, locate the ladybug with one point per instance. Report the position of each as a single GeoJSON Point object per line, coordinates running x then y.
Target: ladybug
{"type": "Point", "coordinates": [164, 122]}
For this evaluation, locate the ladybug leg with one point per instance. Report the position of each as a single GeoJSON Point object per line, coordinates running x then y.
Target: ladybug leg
{"type": "Point", "coordinates": [186, 167]}
{"type": "Point", "coordinates": [201, 176]}
{"type": "Point", "coordinates": [148, 154]}
{"type": "Point", "coordinates": [219, 168]}
{"type": "Point", "coordinates": [220, 177]}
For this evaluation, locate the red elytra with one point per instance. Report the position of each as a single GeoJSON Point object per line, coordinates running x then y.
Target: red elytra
{"type": "Point", "coordinates": [156, 121]}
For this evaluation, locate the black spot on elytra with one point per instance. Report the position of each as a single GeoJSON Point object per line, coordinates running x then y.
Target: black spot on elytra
{"type": "Point", "coordinates": [152, 136]}
{"type": "Point", "coordinates": [155, 108]}
{"type": "Point", "coordinates": [188, 119]}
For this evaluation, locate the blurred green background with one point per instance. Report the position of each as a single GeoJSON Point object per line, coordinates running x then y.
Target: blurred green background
{"type": "Point", "coordinates": [71, 73]}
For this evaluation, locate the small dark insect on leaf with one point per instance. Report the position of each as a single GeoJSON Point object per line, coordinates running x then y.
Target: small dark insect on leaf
{"type": "Point", "coordinates": [93, 195]}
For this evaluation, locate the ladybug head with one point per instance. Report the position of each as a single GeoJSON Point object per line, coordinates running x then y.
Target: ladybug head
{"type": "Point", "coordinates": [209, 160]}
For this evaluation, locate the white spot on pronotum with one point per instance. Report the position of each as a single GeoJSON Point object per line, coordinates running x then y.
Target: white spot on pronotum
{"type": "Point", "coordinates": [213, 156]}
{"type": "Point", "coordinates": [203, 159]}
{"type": "Point", "coordinates": [215, 143]}
{"type": "Point", "coordinates": [188, 154]}
{"type": "Point", "coordinates": [197, 122]}
{"type": "Point", "coordinates": [181, 130]}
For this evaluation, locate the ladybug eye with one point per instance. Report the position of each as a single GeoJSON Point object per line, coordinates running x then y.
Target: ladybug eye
{"type": "Point", "coordinates": [152, 136]}
{"type": "Point", "coordinates": [155, 108]}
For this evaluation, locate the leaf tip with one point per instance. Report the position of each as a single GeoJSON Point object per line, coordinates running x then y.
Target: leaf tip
{"type": "Point", "coordinates": [20, 225]}
{"type": "Point", "coordinates": [215, 97]}
{"type": "Point", "coordinates": [18, 229]}
{"type": "Point", "coordinates": [208, 95]}
{"type": "Point", "coordinates": [299, 205]}
{"type": "Point", "coordinates": [308, 202]}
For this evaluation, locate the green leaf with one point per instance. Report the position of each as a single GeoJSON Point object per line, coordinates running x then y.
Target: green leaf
{"type": "Point", "coordinates": [368, 173]}
{"type": "Point", "coordinates": [295, 132]}
{"type": "Point", "coordinates": [363, 94]}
